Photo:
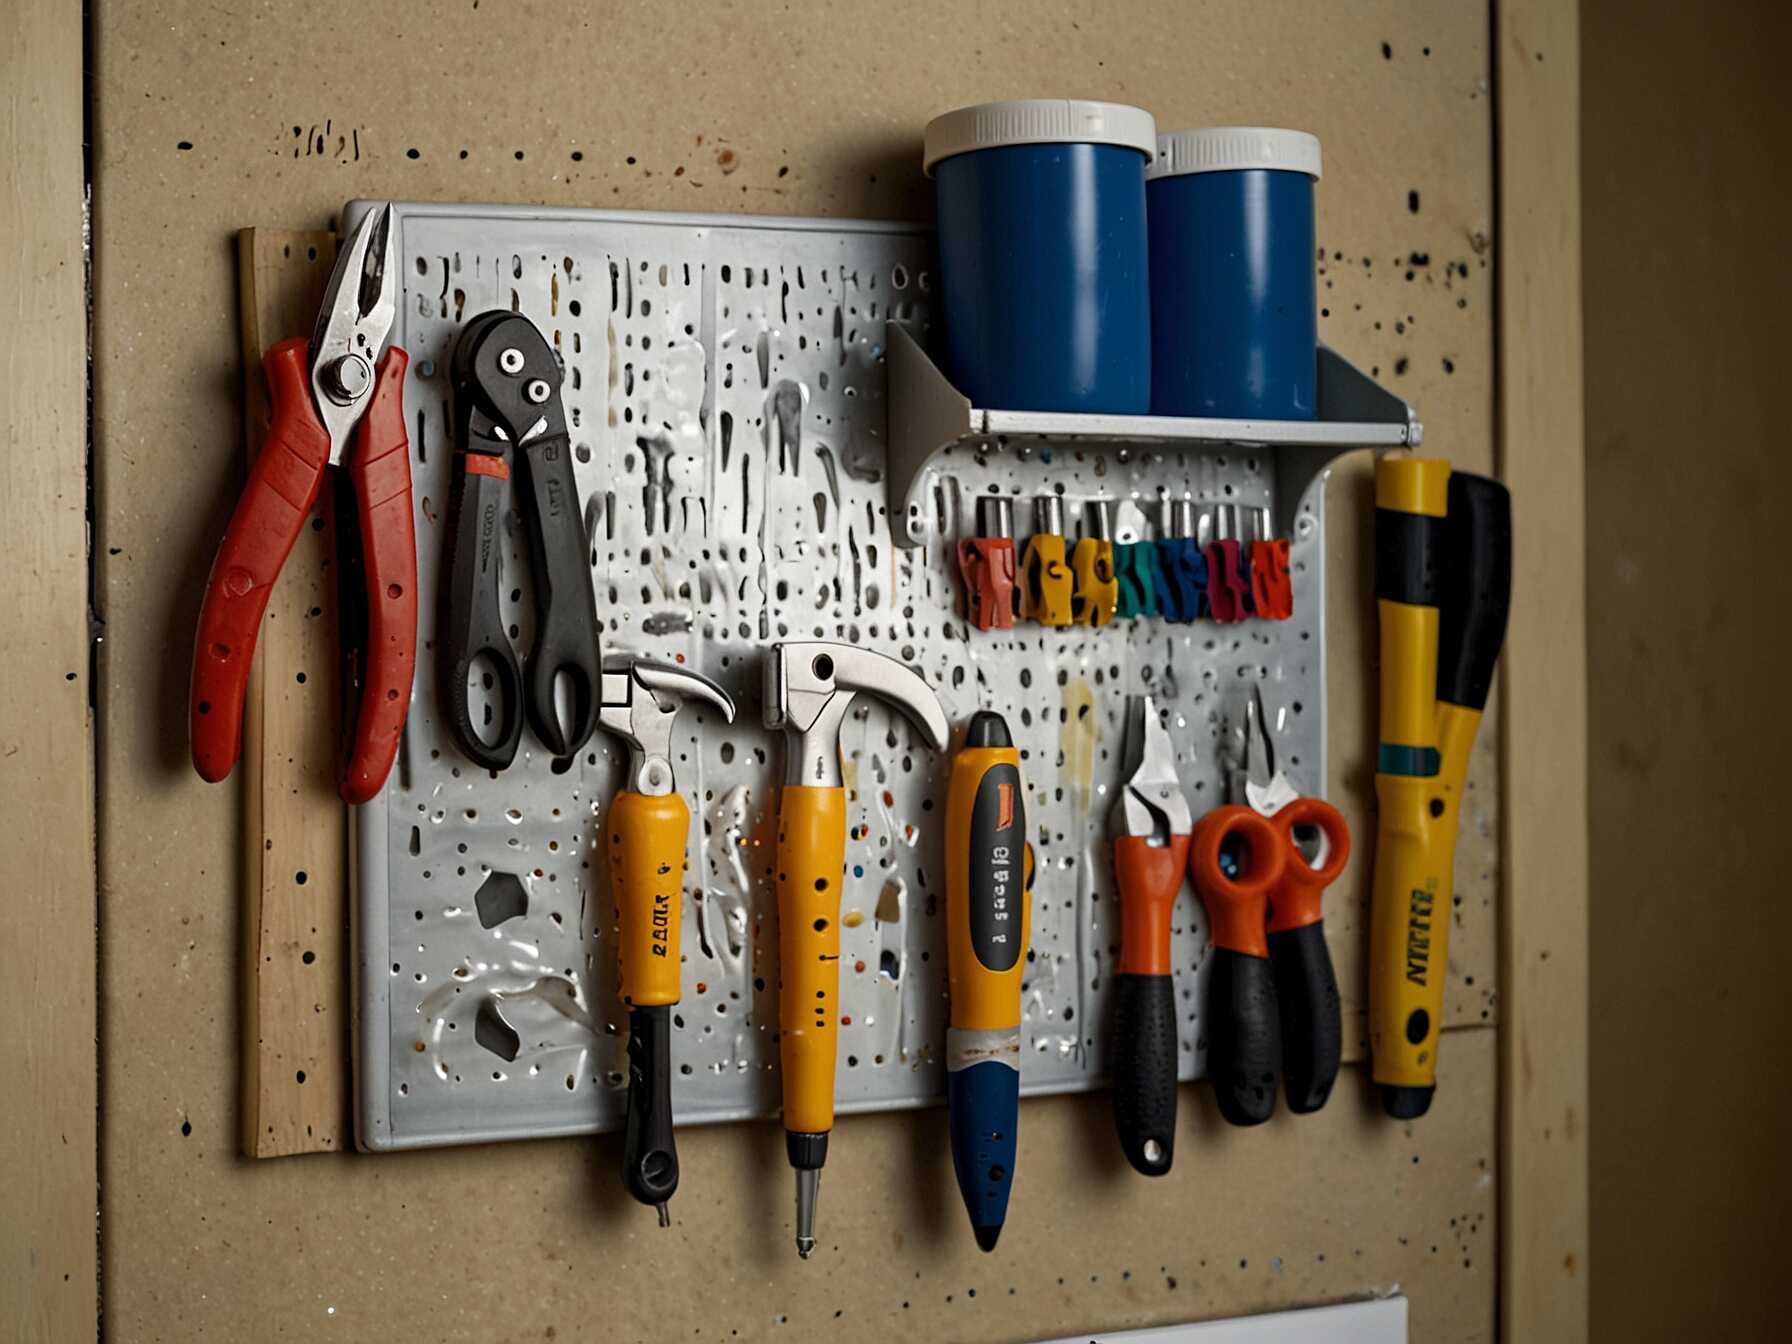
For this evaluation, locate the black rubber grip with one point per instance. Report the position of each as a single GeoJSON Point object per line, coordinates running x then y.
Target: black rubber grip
{"type": "Point", "coordinates": [806, 1152]}
{"type": "Point", "coordinates": [1406, 1103]}
{"type": "Point", "coordinates": [1244, 1036]}
{"type": "Point", "coordinates": [649, 1155]}
{"type": "Point", "coordinates": [565, 608]}
{"type": "Point", "coordinates": [471, 622]}
{"type": "Point", "coordinates": [1144, 1069]}
{"type": "Point", "coordinates": [1408, 552]}
{"type": "Point", "coordinates": [1312, 1016]}
{"type": "Point", "coordinates": [1476, 588]}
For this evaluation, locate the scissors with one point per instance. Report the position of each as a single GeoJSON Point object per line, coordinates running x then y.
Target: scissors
{"type": "Point", "coordinates": [1261, 868]}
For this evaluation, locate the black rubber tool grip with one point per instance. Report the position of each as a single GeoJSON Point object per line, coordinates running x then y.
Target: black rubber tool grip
{"type": "Point", "coordinates": [649, 1155]}
{"type": "Point", "coordinates": [1145, 1070]}
{"type": "Point", "coordinates": [565, 609]}
{"type": "Point", "coordinates": [1244, 1036]}
{"type": "Point", "coordinates": [1476, 590]}
{"type": "Point", "coordinates": [1311, 1015]}
{"type": "Point", "coordinates": [471, 622]}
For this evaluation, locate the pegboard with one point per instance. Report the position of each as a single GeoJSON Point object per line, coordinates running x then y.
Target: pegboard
{"type": "Point", "coordinates": [727, 395]}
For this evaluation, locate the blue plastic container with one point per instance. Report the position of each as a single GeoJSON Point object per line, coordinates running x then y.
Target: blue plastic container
{"type": "Point", "coordinates": [1234, 312]}
{"type": "Point", "coordinates": [1043, 251]}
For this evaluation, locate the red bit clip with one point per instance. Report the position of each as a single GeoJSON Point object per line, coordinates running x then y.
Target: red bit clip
{"type": "Point", "coordinates": [1226, 596]}
{"type": "Point", "coordinates": [1270, 585]}
{"type": "Point", "coordinates": [992, 598]}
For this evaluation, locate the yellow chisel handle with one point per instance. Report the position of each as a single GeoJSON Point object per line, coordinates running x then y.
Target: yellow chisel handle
{"type": "Point", "coordinates": [811, 864]}
{"type": "Point", "coordinates": [647, 854]}
{"type": "Point", "coordinates": [1097, 591]}
{"type": "Point", "coordinates": [1443, 580]}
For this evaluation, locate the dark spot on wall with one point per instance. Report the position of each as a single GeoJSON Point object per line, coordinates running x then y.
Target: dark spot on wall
{"type": "Point", "coordinates": [1450, 367]}
{"type": "Point", "coordinates": [1412, 201]}
{"type": "Point", "coordinates": [1400, 366]}
{"type": "Point", "coordinates": [519, 156]}
{"type": "Point", "coordinates": [412, 154]}
{"type": "Point", "coordinates": [184, 145]}
{"type": "Point", "coordinates": [578, 156]}
{"type": "Point", "coordinates": [1387, 51]}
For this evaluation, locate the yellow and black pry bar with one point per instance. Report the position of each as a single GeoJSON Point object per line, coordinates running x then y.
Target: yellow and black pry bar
{"type": "Point", "coordinates": [1443, 579]}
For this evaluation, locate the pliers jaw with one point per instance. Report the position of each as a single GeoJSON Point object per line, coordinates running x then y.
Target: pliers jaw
{"type": "Point", "coordinates": [1266, 788]}
{"type": "Point", "coordinates": [1151, 804]}
{"type": "Point", "coordinates": [641, 698]}
{"type": "Point", "coordinates": [353, 323]}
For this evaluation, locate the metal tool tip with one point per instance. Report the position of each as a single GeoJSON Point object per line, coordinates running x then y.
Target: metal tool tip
{"type": "Point", "coordinates": [808, 1183]}
{"type": "Point", "coordinates": [665, 1216]}
{"type": "Point", "coordinates": [986, 1234]}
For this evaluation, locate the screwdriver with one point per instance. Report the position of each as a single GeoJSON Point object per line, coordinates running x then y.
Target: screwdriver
{"type": "Point", "coordinates": [1443, 579]}
{"type": "Point", "coordinates": [989, 876]}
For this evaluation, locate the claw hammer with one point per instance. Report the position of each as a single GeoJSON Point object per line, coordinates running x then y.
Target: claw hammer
{"type": "Point", "coordinates": [649, 824]}
{"type": "Point", "coordinates": [809, 687]}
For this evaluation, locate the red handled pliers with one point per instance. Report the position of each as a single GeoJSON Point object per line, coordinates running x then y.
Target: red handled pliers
{"type": "Point", "coordinates": [320, 390]}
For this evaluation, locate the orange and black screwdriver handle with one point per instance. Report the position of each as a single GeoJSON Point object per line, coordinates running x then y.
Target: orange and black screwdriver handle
{"type": "Point", "coordinates": [1237, 859]}
{"type": "Point", "coordinates": [1306, 983]}
{"type": "Point", "coordinates": [283, 485]}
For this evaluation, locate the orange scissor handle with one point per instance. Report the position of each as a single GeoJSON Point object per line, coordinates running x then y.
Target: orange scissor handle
{"type": "Point", "coordinates": [1295, 902]}
{"type": "Point", "coordinates": [1237, 839]}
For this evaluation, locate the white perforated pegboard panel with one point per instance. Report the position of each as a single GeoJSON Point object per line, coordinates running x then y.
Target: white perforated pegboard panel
{"type": "Point", "coordinates": [725, 391]}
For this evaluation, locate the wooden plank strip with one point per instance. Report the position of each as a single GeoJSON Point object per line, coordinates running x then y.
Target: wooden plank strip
{"type": "Point", "coordinates": [1543, 937]}
{"type": "Point", "coordinates": [295, 1067]}
{"type": "Point", "coordinates": [49, 1258]}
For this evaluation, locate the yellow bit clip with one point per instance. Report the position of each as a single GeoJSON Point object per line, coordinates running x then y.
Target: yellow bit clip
{"type": "Point", "coordinates": [1092, 564]}
{"type": "Point", "coordinates": [1045, 582]}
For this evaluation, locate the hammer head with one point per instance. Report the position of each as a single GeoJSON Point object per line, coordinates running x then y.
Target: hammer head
{"type": "Point", "coordinates": [641, 698]}
{"type": "Point", "coordinates": [810, 685]}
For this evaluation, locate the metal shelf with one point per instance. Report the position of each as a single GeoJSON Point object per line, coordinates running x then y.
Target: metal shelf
{"type": "Point", "coordinates": [933, 424]}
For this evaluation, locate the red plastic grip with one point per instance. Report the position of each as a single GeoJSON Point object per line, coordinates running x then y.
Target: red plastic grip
{"type": "Point", "coordinates": [1271, 589]}
{"type": "Point", "coordinates": [1237, 905]}
{"type": "Point", "coordinates": [283, 483]}
{"type": "Point", "coordinates": [379, 465]}
{"type": "Point", "coordinates": [991, 594]}
{"type": "Point", "coordinates": [1225, 595]}
{"type": "Point", "coordinates": [1296, 900]}
{"type": "Point", "coordinates": [1148, 876]}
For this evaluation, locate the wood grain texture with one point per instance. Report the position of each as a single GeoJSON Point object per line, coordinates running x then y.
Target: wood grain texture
{"type": "Point", "coordinates": [803, 112]}
{"type": "Point", "coordinates": [48, 1242]}
{"type": "Point", "coordinates": [1543, 681]}
{"type": "Point", "coordinates": [295, 1071]}
{"type": "Point", "coordinates": [1686, 212]}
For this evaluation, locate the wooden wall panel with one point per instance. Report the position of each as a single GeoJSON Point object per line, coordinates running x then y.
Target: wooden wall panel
{"type": "Point", "coordinates": [813, 110]}
{"type": "Point", "coordinates": [1543, 685]}
{"type": "Point", "coordinates": [48, 1242]}
{"type": "Point", "coordinates": [1687, 210]}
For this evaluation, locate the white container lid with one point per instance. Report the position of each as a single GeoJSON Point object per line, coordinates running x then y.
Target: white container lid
{"type": "Point", "coordinates": [1220, 149]}
{"type": "Point", "coordinates": [1038, 121]}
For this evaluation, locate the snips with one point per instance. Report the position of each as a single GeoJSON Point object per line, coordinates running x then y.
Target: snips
{"type": "Point", "coordinates": [325, 391]}
{"type": "Point", "coordinates": [1261, 868]}
{"type": "Point", "coordinates": [1149, 825]}
{"type": "Point", "coordinates": [509, 416]}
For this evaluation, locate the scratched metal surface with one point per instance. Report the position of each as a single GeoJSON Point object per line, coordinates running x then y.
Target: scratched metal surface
{"type": "Point", "coordinates": [726, 395]}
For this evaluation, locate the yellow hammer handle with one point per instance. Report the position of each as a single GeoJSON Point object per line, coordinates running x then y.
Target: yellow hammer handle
{"type": "Point", "coordinates": [811, 865]}
{"type": "Point", "coordinates": [647, 852]}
